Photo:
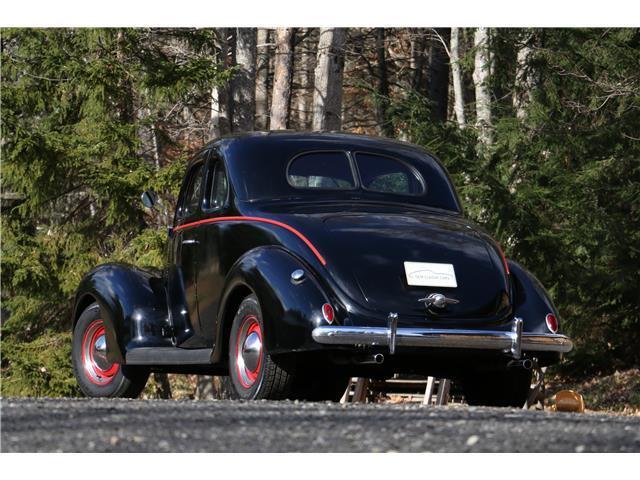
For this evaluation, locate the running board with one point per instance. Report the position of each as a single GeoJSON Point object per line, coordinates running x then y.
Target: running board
{"type": "Point", "coordinates": [169, 356]}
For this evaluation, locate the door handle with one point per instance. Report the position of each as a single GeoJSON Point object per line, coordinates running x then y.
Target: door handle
{"type": "Point", "coordinates": [190, 241]}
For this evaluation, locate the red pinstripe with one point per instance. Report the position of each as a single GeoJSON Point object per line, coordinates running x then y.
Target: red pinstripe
{"type": "Point", "coordinates": [261, 220]}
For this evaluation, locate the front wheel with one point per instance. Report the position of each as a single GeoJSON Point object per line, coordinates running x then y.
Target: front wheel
{"type": "Point", "coordinates": [96, 375]}
{"type": "Point", "coordinates": [502, 388]}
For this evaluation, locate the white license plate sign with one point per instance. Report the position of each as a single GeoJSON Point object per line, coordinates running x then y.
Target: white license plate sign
{"type": "Point", "coordinates": [430, 274]}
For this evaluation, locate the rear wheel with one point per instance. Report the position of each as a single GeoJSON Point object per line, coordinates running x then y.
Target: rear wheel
{"type": "Point", "coordinates": [502, 388]}
{"type": "Point", "coordinates": [253, 372]}
{"type": "Point", "coordinates": [96, 375]}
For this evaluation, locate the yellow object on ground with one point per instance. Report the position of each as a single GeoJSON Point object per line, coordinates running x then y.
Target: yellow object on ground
{"type": "Point", "coordinates": [569, 401]}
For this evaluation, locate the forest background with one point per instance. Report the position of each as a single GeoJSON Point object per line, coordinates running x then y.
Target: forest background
{"type": "Point", "coordinates": [539, 128]}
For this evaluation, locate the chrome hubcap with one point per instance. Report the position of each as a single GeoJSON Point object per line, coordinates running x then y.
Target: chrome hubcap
{"type": "Point", "coordinates": [100, 353]}
{"type": "Point", "coordinates": [251, 351]}
{"type": "Point", "coordinates": [97, 367]}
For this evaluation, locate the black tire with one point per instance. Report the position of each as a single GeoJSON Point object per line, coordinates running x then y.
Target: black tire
{"type": "Point", "coordinates": [267, 379]}
{"type": "Point", "coordinates": [503, 388]}
{"type": "Point", "coordinates": [95, 375]}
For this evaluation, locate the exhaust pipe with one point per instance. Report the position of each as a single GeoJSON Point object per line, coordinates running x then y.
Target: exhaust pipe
{"type": "Point", "coordinates": [375, 359]}
{"type": "Point", "coordinates": [527, 364]}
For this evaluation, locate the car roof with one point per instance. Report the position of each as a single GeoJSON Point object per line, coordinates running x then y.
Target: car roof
{"type": "Point", "coordinates": [323, 138]}
{"type": "Point", "coordinates": [252, 155]}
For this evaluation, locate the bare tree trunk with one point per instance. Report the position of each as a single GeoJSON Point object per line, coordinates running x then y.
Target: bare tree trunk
{"type": "Point", "coordinates": [262, 80]}
{"type": "Point", "coordinates": [439, 74]}
{"type": "Point", "coordinates": [383, 85]}
{"type": "Point", "coordinates": [163, 387]}
{"type": "Point", "coordinates": [282, 76]}
{"type": "Point", "coordinates": [125, 97]}
{"type": "Point", "coordinates": [456, 73]}
{"type": "Point", "coordinates": [327, 94]}
{"type": "Point", "coordinates": [204, 387]}
{"type": "Point", "coordinates": [481, 81]}
{"type": "Point", "coordinates": [215, 129]}
{"type": "Point", "coordinates": [156, 148]}
{"type": "Point", "coordinates": [244, 90]}
{"type": "Point", "coordinates": [417, 58]}
{"type": "Point", "coordinates": [149, 148]}
{"type": "Point", "coordinates": [148, 134]}
{"type": "Point", "coordinates": [526, 78]}
{"type": "Point", "coordinates": [526, 81]}
{"type": "Point", "coordinates": [220, 389]}
{"type": "Point", "coordinates": [220, 112]}
{"type": "Point", "coordinates": [303, 102]}
{"type": "Point", "coordinates": [208, 387]}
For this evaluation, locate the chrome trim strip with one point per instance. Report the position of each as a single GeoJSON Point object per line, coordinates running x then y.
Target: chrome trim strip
{"type": "Point", "coordinates": [442, 338]}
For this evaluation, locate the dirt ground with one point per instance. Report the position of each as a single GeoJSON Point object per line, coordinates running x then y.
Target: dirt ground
{"type": "Point", "coordinates": [618, 393]}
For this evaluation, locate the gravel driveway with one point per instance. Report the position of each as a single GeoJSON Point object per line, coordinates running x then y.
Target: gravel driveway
{"type": "Point", "coordinates": [86, 425]}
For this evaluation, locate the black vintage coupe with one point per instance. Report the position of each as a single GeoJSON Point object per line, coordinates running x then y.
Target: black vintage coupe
{"type": "Point", "coordinates": [297, 260]}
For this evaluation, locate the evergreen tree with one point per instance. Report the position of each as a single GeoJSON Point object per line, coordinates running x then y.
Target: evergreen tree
{"type": "Point", "coordinates": [75, 104]}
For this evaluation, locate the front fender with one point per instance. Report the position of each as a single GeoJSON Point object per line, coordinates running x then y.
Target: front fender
{"type": "Point", "coordinates": [133, 305]}
{"type": "Point", "coordinates": [290, 310]}
{"type": "Point", "coordinates": [531, 301]}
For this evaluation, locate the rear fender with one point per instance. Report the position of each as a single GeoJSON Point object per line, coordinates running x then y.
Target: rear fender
{"type": "Point", "coordinates": [531, 301]}
{"type": "Point", "coordinates": [290, 310]}
{"type": "Point", "coordinates": [133, 305]}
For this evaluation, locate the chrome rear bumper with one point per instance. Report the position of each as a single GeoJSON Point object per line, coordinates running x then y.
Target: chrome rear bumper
{"type": "Point", "coordinates": [512, 342]}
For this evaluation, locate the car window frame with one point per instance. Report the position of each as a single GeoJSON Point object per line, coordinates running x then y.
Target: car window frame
{"type": "Point", "coordinates": [214, 162]}
{"type": "Point", "coordinates": [354, 157]}
{"type": "Point", "coordinates": [354, 176]}
{"type": "Point", "coordinates": [200, 161]}
{"type": "Point", "coordinates": [198, 168]}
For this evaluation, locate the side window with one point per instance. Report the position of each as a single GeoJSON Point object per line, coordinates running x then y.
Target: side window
{"type": "Point", "coordinates": [192, 194]}
{"type": "Point", "coordinates": [388, 175]}
{"type": "Point", "coordinates": [219, 187]}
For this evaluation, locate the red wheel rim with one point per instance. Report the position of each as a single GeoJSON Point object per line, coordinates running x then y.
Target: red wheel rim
{"type": "Point", "coordinates": [94, 355]}
{"type": "Point", "coordinates": [248, 352]}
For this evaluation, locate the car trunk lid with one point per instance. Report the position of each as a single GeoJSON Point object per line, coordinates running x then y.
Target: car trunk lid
{"type": "Point", "coordinates": [373, 249]}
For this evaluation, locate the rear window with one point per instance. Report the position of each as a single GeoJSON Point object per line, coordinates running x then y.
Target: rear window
{"type": "Point", "coordinates": [278, 167]}
{"type": "Point", "coordinates": [383, 174]}
{"type": "Point", "coordinates": [321, 170]}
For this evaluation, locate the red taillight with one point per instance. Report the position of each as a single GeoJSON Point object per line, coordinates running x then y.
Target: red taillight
{"type": "Point", "coordinates": [504, 259]}
{"type": "Point", "coordinates": [327, 312]}
{"type": "Point", "coordinates": [552, 322]}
